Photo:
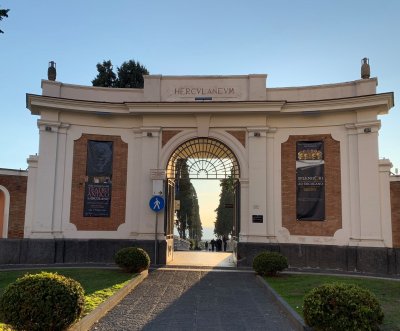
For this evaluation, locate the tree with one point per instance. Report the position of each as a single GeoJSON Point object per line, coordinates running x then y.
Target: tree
{"type": "Point", "coordinates": [130, 74]}
{"type": "Point", "coordinates": [183, 194]}
{"type": "Point", "coordinates": [3, 13]}
{"type": "Point", "coordinates": [106, 76]}
{"type": "Point", "coordinates": [224, 221]}
{"type": "Point", "coordinates": [188, 216]}
{"type": "Point", "coordinates": [195, 228]}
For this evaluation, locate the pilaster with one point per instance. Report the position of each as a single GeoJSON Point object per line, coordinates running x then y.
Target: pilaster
{"type": "Point", "coordinates": [364, 174]}
{"type": "Point", "coordinates": [45, 199]}
{"type": "Point", "coordinates": [271, 175]}
{"type": "Point", "coordinates": [59, 180]}
{"type": "Point", "coordinates": [150, 141]}
{"type": "Point", "coordinates": [257, 149]}
{"type": "Point", "coordinates": [30, 194]}
{"type": "Point", "coordinates": [386, 215]}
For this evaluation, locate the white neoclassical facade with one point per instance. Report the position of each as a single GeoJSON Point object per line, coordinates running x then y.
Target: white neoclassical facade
{"type": "Point", "coordinates": [268, 132]}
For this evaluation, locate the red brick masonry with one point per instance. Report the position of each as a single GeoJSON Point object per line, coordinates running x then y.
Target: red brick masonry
{"type": "Point", "coordinates": [333, 195]}
{"type": "Point", "coordinates": [167, 135]}
{"type": "Point", "coordinates": [16, 187]}
{"type": "Point", "coordinates": [118, 195]}
{"type": "Point", "coordinates": [240, 136]}
{"type": "Point", "coordinates": [395, 202]}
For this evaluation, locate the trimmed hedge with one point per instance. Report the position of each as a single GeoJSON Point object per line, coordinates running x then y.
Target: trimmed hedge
{"type": "Point", "coordinates": [44, 301]}
{"type": "Point", "coordinates": [269, 263]}
{"type": "Point", "coordinates": [132, 259]}
{"type": "Point", "coordinates": [339, 306]}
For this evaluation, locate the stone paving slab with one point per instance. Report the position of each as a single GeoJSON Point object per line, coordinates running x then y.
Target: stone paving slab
{"type": "Point", "coordinates": [196, 300]}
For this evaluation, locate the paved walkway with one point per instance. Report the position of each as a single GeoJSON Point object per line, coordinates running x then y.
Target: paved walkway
{"type": "Point", "coordinates": [196, 300]}
{"type": "Point", "coordinates": [202, 258]}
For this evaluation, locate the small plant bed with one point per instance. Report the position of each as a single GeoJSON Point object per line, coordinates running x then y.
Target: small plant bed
{"type": "Point", "coordinates": [99, 284]}
{"type": "Point", "coordinates": [293, 287]}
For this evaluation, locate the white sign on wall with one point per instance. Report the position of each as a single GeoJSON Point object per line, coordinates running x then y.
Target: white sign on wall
{"type": "Point", "coordinates": [158, 174]}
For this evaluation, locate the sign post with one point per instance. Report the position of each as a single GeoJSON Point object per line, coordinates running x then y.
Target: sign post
{"type": "Point", "coordinates": [156, 204]}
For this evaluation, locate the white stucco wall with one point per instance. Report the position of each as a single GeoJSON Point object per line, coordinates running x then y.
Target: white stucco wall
{"type": "Point", "coordinates": [347, 111]}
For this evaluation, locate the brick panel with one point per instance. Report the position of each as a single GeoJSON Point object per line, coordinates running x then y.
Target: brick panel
{"type": "Point", "coordinates": [395, 205]}
{"type": "Point", "coordinates": [167, 135]}
{"type": "Point", "coordinates": [239, 135]}
{"type": "Point", "coordinates": [16, 186]}
{"type": "Point", "coordinates": [118, 194]}
{"type": "Point", "coordinates": [333, 201]}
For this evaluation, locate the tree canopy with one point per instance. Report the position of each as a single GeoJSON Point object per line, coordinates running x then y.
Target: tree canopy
{"type": "Point", "coordinates": [3, 13]}
{"type": "Point", "coordinates": [224, 221]}
{"type": "Point", "coordinates": [106, 76]}
{"type": "Point", "coordinates": [188, 216]}
{"type": "Point", "coordinates": [129, 74]}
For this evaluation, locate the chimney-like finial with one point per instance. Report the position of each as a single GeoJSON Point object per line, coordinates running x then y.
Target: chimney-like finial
{"type": "Point", "coordinates": [51, 71]}
{"type": "Point", "coordinates": [365, 69]}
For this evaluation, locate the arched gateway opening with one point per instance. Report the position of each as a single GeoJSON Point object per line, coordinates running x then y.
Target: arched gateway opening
{"type": "Point", "coordinates": [202, 160]}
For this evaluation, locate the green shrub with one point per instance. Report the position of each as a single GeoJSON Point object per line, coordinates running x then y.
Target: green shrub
{"type": "Point", "coordinates": [269, 263]}
{"type": "Point", "coordinates": [44, 301]}
{"type": "Point", "coordinates": [340, 306]}
{"type": "Point", "coordinates": [132, 259]}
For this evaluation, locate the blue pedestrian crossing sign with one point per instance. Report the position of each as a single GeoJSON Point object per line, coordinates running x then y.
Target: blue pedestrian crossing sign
{"type": "Point", "coordinates": [156, 203]}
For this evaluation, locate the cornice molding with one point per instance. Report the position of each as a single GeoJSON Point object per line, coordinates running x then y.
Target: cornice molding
{"type": "Point", "coordinates": [383, 102]}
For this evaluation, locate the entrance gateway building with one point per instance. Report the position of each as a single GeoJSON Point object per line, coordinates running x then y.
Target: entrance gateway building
{"type": "Point", "coordinates": [309, 182]}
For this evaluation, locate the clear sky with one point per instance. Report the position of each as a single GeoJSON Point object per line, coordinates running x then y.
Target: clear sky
{"type": "Point", "coordinates": [295, 42]}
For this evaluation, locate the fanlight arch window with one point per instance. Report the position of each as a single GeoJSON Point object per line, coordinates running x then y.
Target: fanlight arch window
{"type": "Point", "coordinates": [205, 158]}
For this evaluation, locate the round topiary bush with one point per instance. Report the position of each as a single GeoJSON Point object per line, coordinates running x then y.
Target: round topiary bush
{"type": "Point", "coordinates": [44, 301]}
{"type": "Point", "coordinates": [269, 263]}
{"type": "Point", "coordinates": [132, 259]}
{"type": "Point", "coordinates": [340, 306]}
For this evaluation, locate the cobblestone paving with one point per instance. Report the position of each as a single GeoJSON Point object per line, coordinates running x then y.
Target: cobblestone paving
{"type": "Point", "coordinates": [195, 300]}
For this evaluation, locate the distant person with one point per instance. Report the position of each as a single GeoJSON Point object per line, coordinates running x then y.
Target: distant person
{"type": "Point", "coordinates": [212, 244]}
{"type": "Point", "coordinates": [206, 246]}
{"type": "Point", "coordinates": [225, 240]}
{"type": "Point", "coordinates": [219, 244]}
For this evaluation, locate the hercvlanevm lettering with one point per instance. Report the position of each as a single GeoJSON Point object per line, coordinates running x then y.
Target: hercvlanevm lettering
{"type": "Point", "coordinates": [204, 91]}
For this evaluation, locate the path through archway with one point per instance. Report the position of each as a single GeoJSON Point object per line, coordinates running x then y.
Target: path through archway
{"type": "Point", "coordinates": [201, 159]}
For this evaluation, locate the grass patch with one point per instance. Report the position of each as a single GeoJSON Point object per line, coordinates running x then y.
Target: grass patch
{"type": "Point", "coordinates": [99, 284]}
{"type": "Point", "coordinates": [292, 288]}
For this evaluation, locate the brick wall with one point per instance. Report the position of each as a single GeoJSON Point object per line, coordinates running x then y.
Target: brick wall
{"type": "Point", "coordinates": [167, 135]}
{"type": "Point", "coordinates": [333, 202]}
{"type": "Point", "coordinates": [16, 187]}
{"type": "Point", "coordinates": [395, 203]}
{"type": "Point", "coordinates": [239, 135]}
{"type": "Point", "coordinates": [118, 194]}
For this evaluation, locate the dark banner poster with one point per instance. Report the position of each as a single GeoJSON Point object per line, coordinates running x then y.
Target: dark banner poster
{"type": "Point", "coordinates": [97, 200]}
{"type": "Point", "coordinates": [99, 158]}
{"type": "Point", "coordinates": [310, 181]}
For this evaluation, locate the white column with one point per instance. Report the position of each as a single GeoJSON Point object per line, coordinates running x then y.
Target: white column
{"type": "Point", "coordinates": [30, 194]}
{"type": "Point", "coordinates": [369, 185]}
{"type": "Point", "coordinates": [133, 187]}
{"type": "Point", "coordinates": [257, 142]}
{"type": "Point", "coordinates": [353, 185]}
{"type": "Point", "coordinates": [386, 211]}
{"type": "Point", "coordinates": [150, 150]}
{"type": "Point", "coordinates": [59, 180]}
{"type": "Point", "coordinates": [42, 226]}
{"type": "Point", "coordinates": [367, 230]}
{"type": "Point", "coordinates": [271, 175]}
{"type": "Point", "coordinates": [244, 209]}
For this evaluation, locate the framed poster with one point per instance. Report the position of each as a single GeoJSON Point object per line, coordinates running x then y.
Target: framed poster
{"type": "Point", "coordinates": [97, 201]}
{"type": "Point", "coordinates": [99, 158]}
{"type": "Point", "coordinates": [310, 181]}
